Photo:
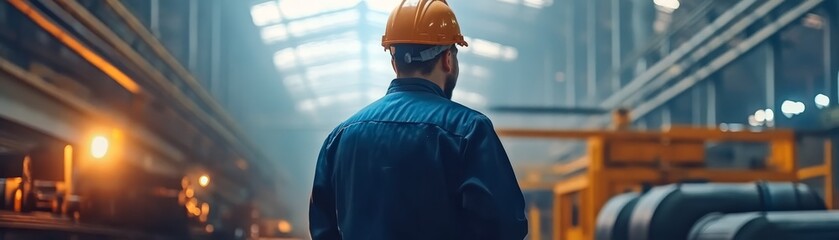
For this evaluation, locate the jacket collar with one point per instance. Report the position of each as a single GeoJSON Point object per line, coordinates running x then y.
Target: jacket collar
{"type": "Point", "coordinates": [415, 84]}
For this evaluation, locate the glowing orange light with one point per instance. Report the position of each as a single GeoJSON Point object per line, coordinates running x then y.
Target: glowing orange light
{"type": "Point", "coordinates": [185, 182]}
{"type": "Point", "coordinates": [205, 212]}
{"type": "Point", "coordinates": [284, 226]}
{"type": "Point", "coordinates": [18, 201]}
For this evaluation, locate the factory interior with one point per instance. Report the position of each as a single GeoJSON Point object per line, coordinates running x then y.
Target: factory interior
{"type": "Point", "coordinates": [621, 119]}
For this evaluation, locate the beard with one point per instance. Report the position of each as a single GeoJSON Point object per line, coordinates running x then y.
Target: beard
{"type": "Point", "coordinates": [451, 81]}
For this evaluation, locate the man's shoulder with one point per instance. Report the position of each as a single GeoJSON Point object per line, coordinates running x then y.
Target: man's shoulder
{"type": "Point", "coordinates": [367, 112]}
{"type": "Point", "coordinates": [464, 120]}
{"type": "Point", "coordinates": [470, 114]}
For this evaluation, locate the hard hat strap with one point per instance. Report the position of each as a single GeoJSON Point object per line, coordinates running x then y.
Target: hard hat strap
{"type": "Point", "coordinates": [426, 54]}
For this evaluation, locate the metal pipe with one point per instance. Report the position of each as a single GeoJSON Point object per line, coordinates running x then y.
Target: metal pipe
{"type": "Point", "coordinates": [768, 225]}
{"type": "Point", "coordinates": [725, 58]}
{"type": "Point", "coordinates": [668, 212]}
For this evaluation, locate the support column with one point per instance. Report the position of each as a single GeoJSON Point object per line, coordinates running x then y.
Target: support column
{"type": "Point", "coordinates": [711, 88]}
{"type": "Point", "coordinates": [616, 44]}
{"type": "Point", "coordinates": [829, 186]}
{"type": "Point", "coordinates": [215, 87]}
{"type": "Point", "coordinates": [154, 19]}
{"type": "Point", "coordinates": [68, 170]}
{"type": "Point", "coordinates": [550, 76]}
{"type": "Point", "coordinates": [832, 62]}
{"type": "Point", "coordinates": [771, 73]}
{"type": "Point", "coordinates": [535, 217]}
{"type": "Point", "coordinates": [832, 49]}
{"type": "Point", "coordinates": [571, 54]}
{"type": "Point", "coordinates": [591, 51]}
{"type": "Point", "coordinates": [192, 56]}
{"type": "Point", "coordinates": [696, 106]}
{"type": "Point", "coordinates": [365, 76]}
{"type": "Point", "coordinates": [773, 50]}
{"type": "Point", "coordinates": [834, 168]}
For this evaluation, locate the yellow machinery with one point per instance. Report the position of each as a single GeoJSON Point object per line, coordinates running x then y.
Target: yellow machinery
{"type": "Point", "coordinates": [620, 161]}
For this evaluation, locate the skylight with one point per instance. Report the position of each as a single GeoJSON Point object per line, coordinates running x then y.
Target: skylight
{"type": "Point", "coordinates": [265, 13]}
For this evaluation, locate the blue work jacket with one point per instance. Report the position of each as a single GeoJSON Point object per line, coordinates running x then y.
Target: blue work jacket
{"type": "Point", "coordinates": [415, 165]}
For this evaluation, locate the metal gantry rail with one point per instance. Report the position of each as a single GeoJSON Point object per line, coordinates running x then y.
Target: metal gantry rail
{"type": "Point", "coordinates": [696, 59]}
{"type": "Point", "coordinates": [695, 42]}
{"type": "Point", "coordinates": [730, 55]}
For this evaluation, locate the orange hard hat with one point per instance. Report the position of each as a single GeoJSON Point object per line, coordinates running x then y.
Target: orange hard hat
{"type": "Point", "coordinates": [429, 22]}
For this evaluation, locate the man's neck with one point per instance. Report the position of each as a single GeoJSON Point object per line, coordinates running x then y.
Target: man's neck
{"type": "Point", "coordinates": [439, 80]}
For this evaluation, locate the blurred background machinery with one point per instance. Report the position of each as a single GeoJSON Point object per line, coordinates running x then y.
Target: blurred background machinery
{"type": "Point", "coordinates": [619, 165]}
{"type": "Point", "coordinates": [100, 123]}
{"type": "Point", "coordinates": [176, 119]}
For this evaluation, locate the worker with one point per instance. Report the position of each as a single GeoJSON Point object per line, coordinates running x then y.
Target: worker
{"type": "Point", "coordinates": [414, 164]}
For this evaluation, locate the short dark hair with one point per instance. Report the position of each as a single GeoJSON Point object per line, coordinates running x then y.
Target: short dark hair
{"type": "Point", "coordinates": [424, 67]}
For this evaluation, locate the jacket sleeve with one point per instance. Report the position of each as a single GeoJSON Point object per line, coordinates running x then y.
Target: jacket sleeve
{"type": "Point", "coordinates": [491, 197]}
{"type": "Point", "coordinates": [323, 223]}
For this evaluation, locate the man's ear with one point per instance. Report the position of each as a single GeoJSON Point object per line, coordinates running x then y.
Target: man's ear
{"type": "Point", "coordinates": [448, 61]}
